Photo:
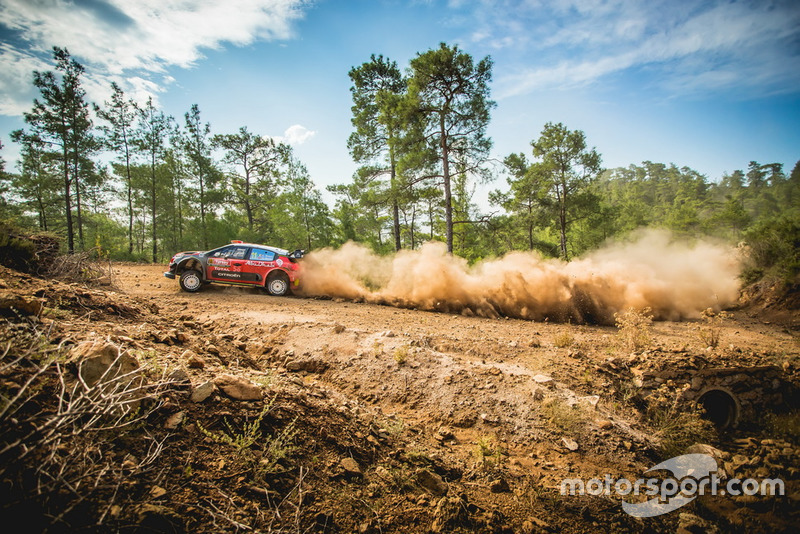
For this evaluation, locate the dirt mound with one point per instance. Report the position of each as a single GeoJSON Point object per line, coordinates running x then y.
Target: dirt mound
{"type": "Point", "coordinates": [773, 300]}
{"type": "Point", "coordinates": [26, 251]}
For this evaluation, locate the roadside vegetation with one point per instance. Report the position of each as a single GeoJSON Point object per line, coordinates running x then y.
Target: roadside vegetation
{"type": "Point", "coordinates": [122, 180]}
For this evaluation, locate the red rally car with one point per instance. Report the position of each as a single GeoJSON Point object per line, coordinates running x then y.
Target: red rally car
{"type": "Point", "coordinates": [239, 263]}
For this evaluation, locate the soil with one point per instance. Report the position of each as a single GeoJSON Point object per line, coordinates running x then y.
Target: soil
{"type": "Point", "coordinates": [379, 419]}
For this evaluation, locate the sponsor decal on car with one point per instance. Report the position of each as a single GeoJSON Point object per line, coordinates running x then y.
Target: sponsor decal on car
{"type": "Point", "coordinates": [226, 274]}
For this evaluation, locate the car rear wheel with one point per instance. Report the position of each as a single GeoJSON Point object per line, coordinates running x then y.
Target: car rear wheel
{"type": "Point", "coordinates": [278, 284]}
{"type": "Point", "coordinates": [191, 281]}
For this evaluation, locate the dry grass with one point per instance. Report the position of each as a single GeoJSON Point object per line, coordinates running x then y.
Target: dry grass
{"type": "Point", "coordinates": [563, 416]}
{"type": "Point", "coordinates": [709, 330]}
{"type": "Point", "coordinates": [634, 329]}
{"type": "Point", "coordinates": [564, 339]}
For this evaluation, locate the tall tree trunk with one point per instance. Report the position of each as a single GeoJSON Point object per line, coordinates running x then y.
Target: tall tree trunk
{"type": "Point", "coordinates": [130, 197]}
{"type": "Point", "coordinates": [76, 174]}
{"type": "Point", "coordinates": [247, 206]}
{"type": "Point", "coordinates": [530, 226]}
{"type": "Point", "coordinates": [203, 213]}
{"type": "Point", "coordinates": [68, 204]}
{"type": "Point", "coordinates": [395, 207]}
{"type": "Point", "coordinates": [562, 222]}
{"type": "Point", "coordinates": [153, 205]}
{"type": "Point", "coordinates": [448, 200]}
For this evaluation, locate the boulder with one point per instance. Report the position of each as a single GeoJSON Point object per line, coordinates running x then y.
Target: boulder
{"type": "Point", "coordinates": [450, 512]}
{"type": "Point", "coordinates": [203, 391]}
{"type": "Point", "coordinates": [11, 303]}
{"type": "Point", "coordinates": [310, 365]}
{"type": "Point", "coordinates": [238, 388]}
{"type": "Point", "coordinates": [100, 360]}
{"type": "Point", "coordinates": [431, 482]}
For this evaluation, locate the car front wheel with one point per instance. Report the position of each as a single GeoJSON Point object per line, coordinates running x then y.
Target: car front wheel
{"type": "Point", "coordinates": [278, 285]}
{"type": "Point", "coordinates": [191, 281]}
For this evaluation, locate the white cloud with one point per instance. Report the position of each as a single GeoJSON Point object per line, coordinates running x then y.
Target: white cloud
{"type": "Point", "coordinates": [296, 135]}
{"type": "Point", "coordinates": [16, 90]}
{"type": "Point", "coordinates": [687, 45]}
{"type": "Point", "coordinates": [120, 37]}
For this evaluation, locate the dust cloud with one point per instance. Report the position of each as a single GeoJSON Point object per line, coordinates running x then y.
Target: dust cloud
{"type": "Point", "coordinates": [676, 279]}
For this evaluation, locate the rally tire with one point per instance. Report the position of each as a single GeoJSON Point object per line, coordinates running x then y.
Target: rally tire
{"type": "Point", "coordinates": [278, 284]}
{"type": "Point", "coordinates": [191, 281]}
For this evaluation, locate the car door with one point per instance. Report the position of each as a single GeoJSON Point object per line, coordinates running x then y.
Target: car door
{"type": "Point", "coordinates": [258, 265]}
{"type": "Point", "coordinates": [225, 265]}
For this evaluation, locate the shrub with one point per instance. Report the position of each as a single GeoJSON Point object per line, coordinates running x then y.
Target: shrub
{"type": "Point", "coordinates": [563, 339]}
{"type": "Point", "coordinates": [563, 416]}
{"type": "Point", "coordinates": [634, 328]}
{"type": "Point", "coordinates": [709, 331]}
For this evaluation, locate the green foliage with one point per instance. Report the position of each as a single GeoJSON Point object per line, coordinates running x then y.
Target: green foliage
{"type": "Point", "coordinates": [488, 451]}
{"type": "Point", "coordinates": [449, 92]}
{"type": "Point", "coordinates": [260, 452]}
{"type": "Point", "coordinates": [774, 246]}
{"type": "Point", "coordinates": [420, 140]}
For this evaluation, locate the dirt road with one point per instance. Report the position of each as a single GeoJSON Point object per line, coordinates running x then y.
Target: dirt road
{"type": "Point", "coordinates": [545, 400]}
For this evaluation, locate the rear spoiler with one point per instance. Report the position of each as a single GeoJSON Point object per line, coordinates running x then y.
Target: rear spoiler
{"type": "Point", "coordinates": [297, 254]}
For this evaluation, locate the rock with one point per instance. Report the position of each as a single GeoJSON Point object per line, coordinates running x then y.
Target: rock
{"type": "Point", "coordinates": [534, 524]}
{"type": "Point", "coordinates": [350, 467]}
{"type": "Point", "coordinates": [98, 360]}
{"type": "Point", "coordinates": [174, 420]}
{"type": "Point", "coordinates": [692, 524]}
{"type": "Point", "coordinates": [499, 485]}
{"type": "Point", "coordinates": [450, 512]}
{"type": "Point", "coordinates": [203, 391]}
{"type": "Point", "coordinates": [338, 329]}
{"type": "Point", "coordinates": [238, 388]}
{"type": "Point", "coordinates": [11, 302]}
{"type": "Point", "coordinates": [589, 400]}
{"type": "Point", "coordinates": [179, 378]}
{"type": "Point", "coordinates": [702, 448]}
{"type": "Point", "coordinates": [310, 365]}
{"type": "Point", "coordinates": [212, 349]}
{"type": "Point", "coordinates": [542, 379]}
{"type": "Point", "coordinates": [490, 419]}
{"type": "Point", "coordinates": [193, 360]}
{"type": "Point", "coordinates": [605, 424]}
{"type": "Point", "coordinates": [444, 434]}
{"type": "Point", "coordinates": [431, 482]}
{"type": "Point", "coordinates": [570, 444]}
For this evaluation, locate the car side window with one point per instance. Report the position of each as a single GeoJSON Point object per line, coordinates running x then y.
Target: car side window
{"type": "Point", "coordinates": [238, 253]}
{"type": "Point", "coordinates": [258, 254]}
{"type": "Point", "coordinates": [222, 253]}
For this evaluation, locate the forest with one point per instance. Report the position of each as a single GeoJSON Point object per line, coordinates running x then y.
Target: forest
{"type": "Point", "coordinates": [128, 182]}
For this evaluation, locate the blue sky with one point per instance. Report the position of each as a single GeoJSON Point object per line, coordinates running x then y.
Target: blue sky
{"type": "Point", "coordinates": [710, 85]}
